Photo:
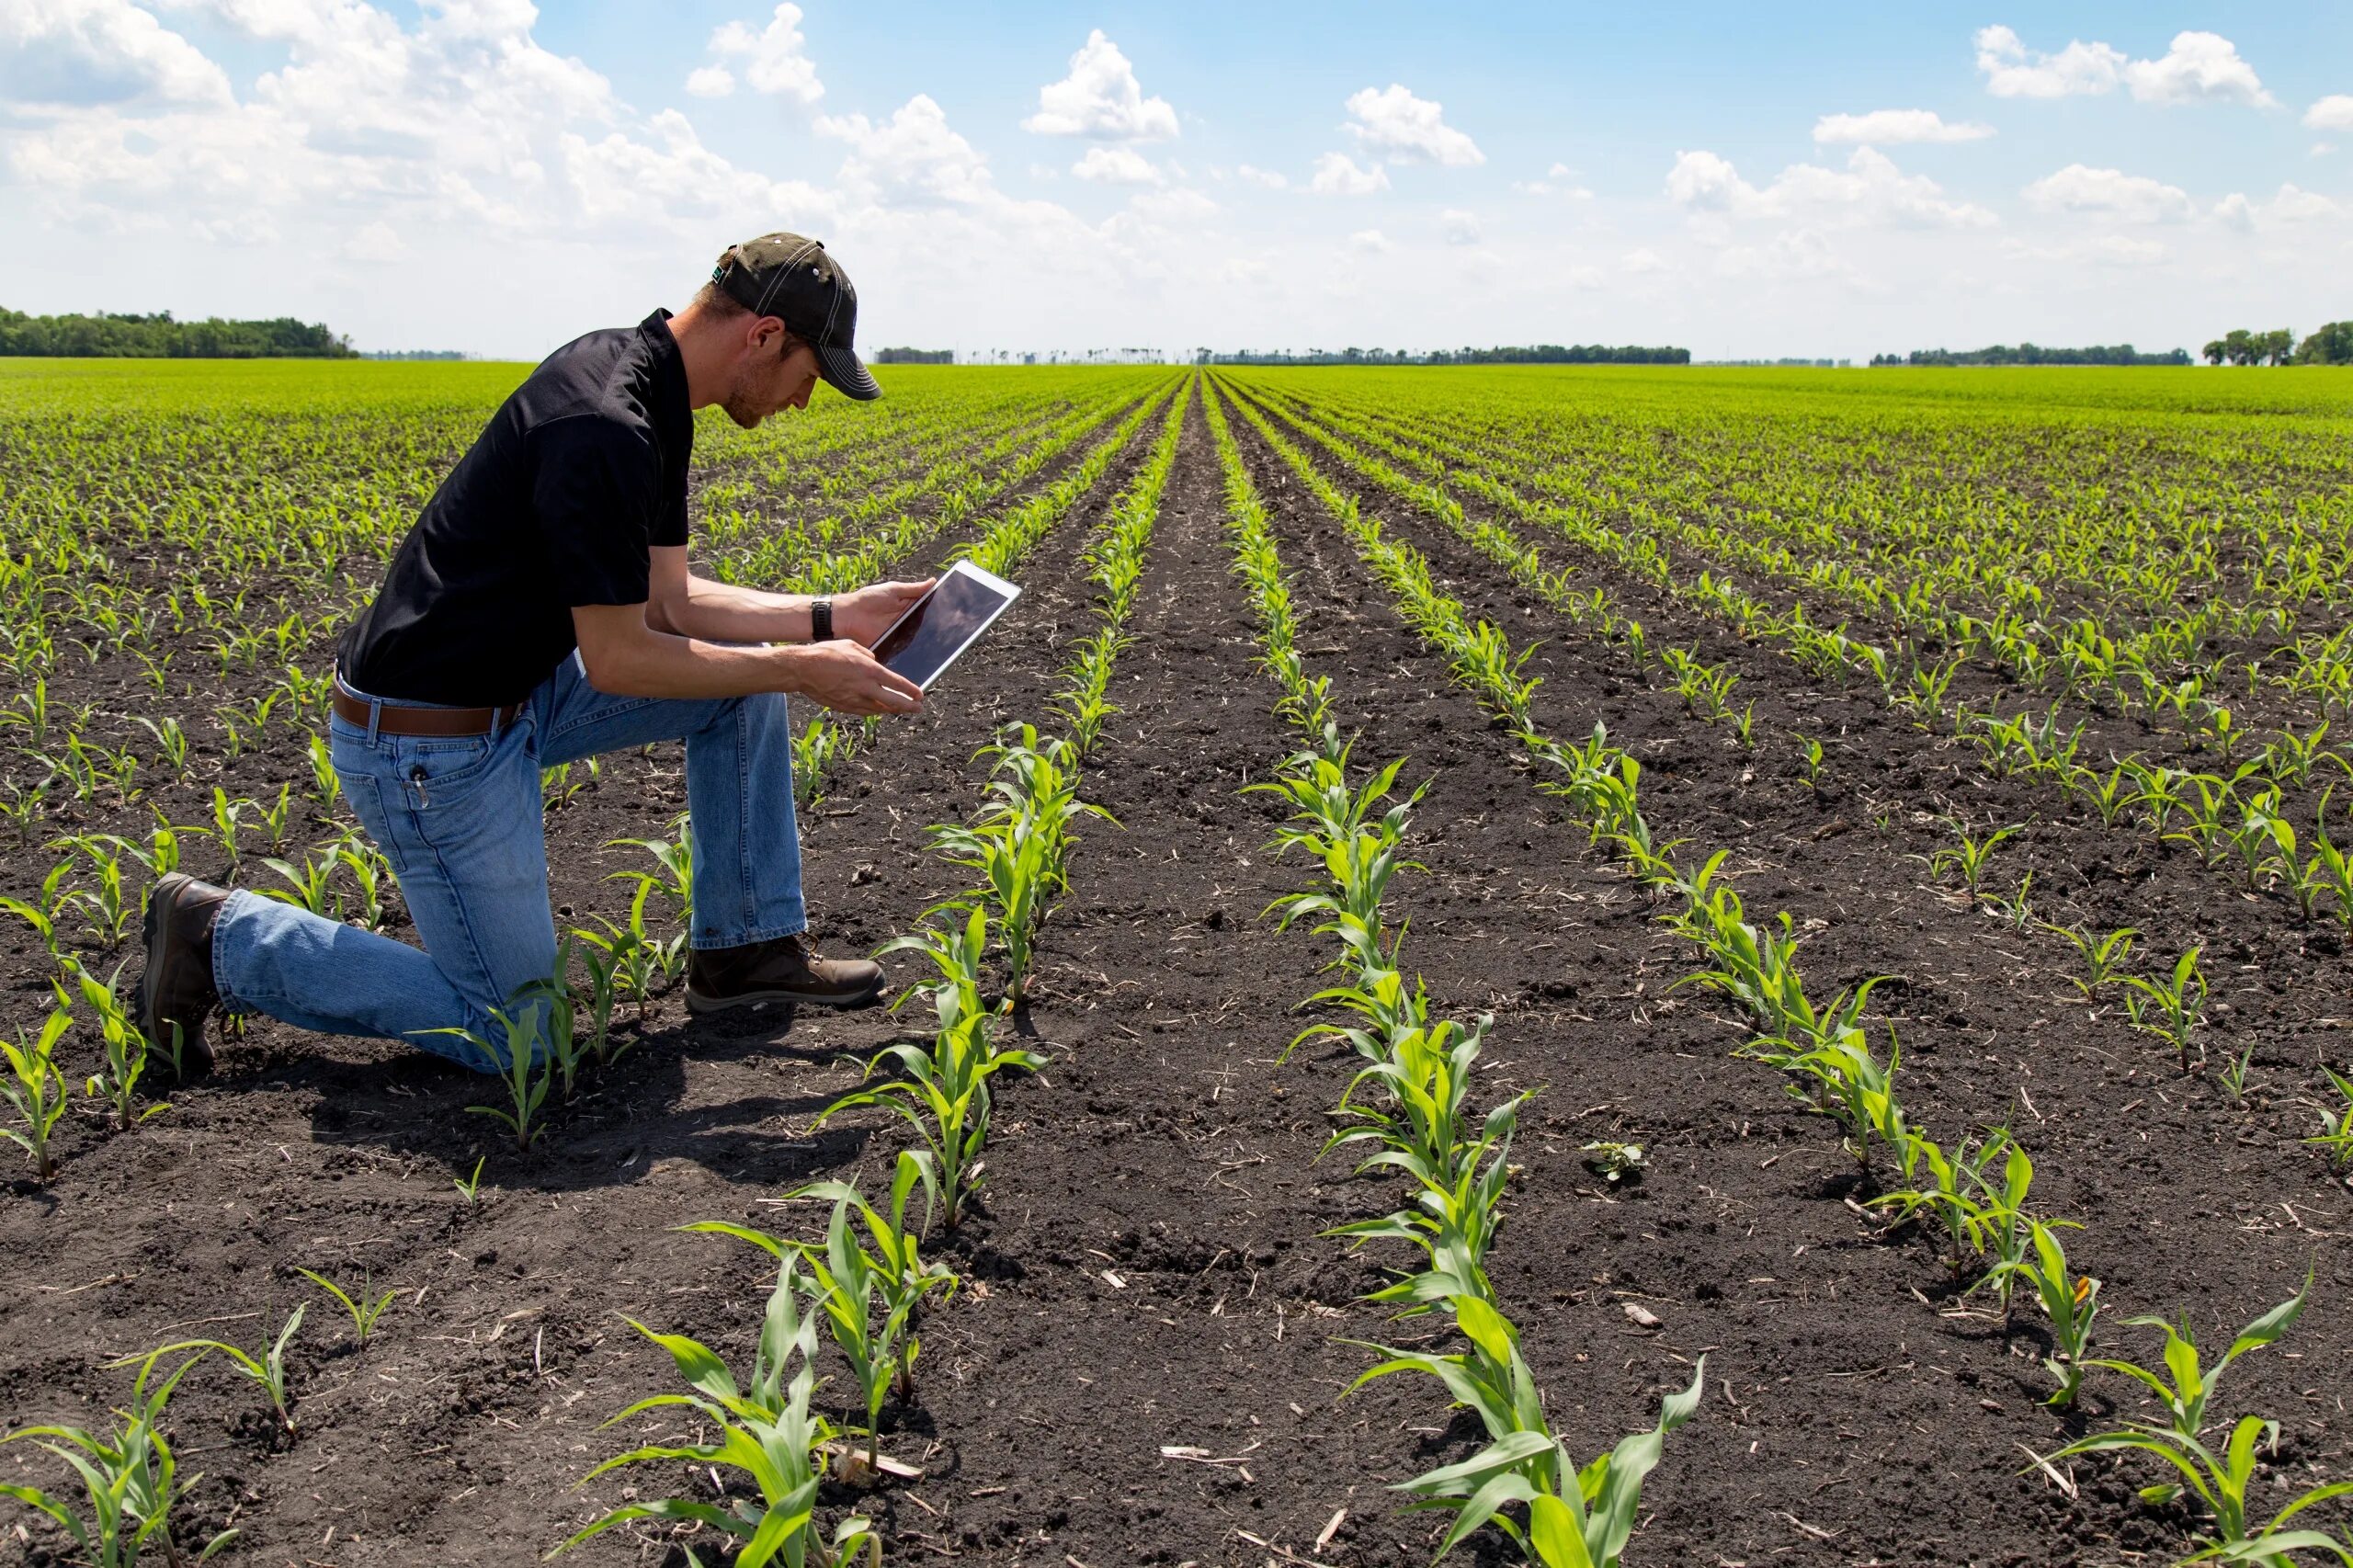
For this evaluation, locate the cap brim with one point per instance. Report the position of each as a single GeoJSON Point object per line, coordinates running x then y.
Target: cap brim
{"type": "Point", "coordinates": [846, 374]}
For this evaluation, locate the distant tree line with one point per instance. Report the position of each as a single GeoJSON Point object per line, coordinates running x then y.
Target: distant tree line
{"type": "Point", "coordinates": [413, 354]}
{"type": "Point", "coordinates": [2332, 345]}
{"type": "Point", "coordinates": [915, 356]}
{"type": "Point", "coordinates": [1535, 354]}
{"type": "Point", "coordinates": [2036, 354]}
{"type": "Point", "coordinates": [161, 338]}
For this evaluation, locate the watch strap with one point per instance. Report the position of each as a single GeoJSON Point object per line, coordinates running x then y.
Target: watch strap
{"type": "Point", "coordinates": [820, 621]}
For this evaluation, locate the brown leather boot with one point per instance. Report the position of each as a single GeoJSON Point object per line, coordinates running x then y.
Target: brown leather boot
{"type": "Point", "coordinates": [785, 968]}
{"type": "Point", "coordinates": [177, 989]}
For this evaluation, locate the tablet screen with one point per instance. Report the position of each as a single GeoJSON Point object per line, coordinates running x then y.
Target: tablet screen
{"type": "Point", "coordinates": [942, 624]}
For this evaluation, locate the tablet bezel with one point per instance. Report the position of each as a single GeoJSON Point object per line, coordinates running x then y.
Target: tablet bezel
{"type": "Point", "coordinates": [987, 579]}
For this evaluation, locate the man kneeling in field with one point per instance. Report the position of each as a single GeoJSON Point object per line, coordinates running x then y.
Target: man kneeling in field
{"type": "Point", "coordinates": [540, 611]}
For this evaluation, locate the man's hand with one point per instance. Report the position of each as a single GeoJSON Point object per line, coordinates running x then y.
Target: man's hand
{"type": "Point", "coordinates": [866, 613]}
{"type": "Point", "coordinates": [841, 674]}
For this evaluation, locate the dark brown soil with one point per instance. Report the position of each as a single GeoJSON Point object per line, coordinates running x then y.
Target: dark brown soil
{"type": "Point", "coordinates": [1161, 1174]}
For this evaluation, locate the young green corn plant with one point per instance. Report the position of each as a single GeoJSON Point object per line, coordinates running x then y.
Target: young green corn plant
{"type": "Point", "coordinates": [2102, 956]}
{"type": "Point", "coordinates": [2070, 1301]}
{"type": "Point", "coordinates": [2221, 1480]}
{"type": "Point", "coordinates": [1457, 1212]}
{"type": "Point", "coordinates": [372, 875]}
{"type": "Point", "coordinates": [1970, 856]}
{"type": "Point", "coordinates": [117, 1080]}
{"type": "Point", "coordinates": [764, 1430]}
{"type": "Point", "coordinates": [676, 857]}
{"type": "Point", "coordinates": [1576, 1517]}
{"type": "Point", "coordinates": [2336, 1126]}
{"type": "Point", "coordinates": [1953, 1194]}
{"type": "Point", "coordinates": [311, 885]}
{"type": "Point", "coordinates": [2171, 1008]}
{"type": "Point", "coordinates": [36, 1090]}
{"type": "Point", "coordinates": [266, 1370]}
{"type": "Point", "coordinates": [867, 1301]}
{"type": "Point", "coordinates": [902, 1279]}
{"type": "Point", "coordinates": [1015, 861]}
{"type": "Point", "coordinates": [525, 1061]}
{"type": "Point", "coordinates": [364, 1312]}
{"type": "Point", "coordinates": [943, 1091]}
{"type": "Point", "coordinates": [42, 916]}
{"type": "Point", "coordinates": [130, 1482]}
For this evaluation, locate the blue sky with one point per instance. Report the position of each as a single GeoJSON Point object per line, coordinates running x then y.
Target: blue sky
{"type": "Point", "coordinates": [482, 175]}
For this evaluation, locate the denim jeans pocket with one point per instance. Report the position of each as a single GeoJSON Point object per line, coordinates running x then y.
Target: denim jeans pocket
{"type": "Point", "coordinates": [435, 772]}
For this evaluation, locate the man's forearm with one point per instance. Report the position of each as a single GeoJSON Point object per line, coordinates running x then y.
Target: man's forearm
{"type": "Point", "coordinates": [661, 664]}
{"type": "Point", "coordinates": [725, 612]}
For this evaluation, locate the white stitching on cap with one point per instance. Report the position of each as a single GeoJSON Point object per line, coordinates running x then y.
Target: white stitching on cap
{"type": "Point", "coordinates": [777, 276]}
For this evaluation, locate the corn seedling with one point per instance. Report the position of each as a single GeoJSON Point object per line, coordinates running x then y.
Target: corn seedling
{"type": "Point", "coordinates": [2102, 956]}
{"type": "Point", "coordinates": [130, 1482]}
{"type": "Point", "coordinates": [1970, 856]}
{"type": "Point", "coordinates": [2219, 1481]}
{"type": "Point", "coordinates": [117, 1080]}
{"type": "Point", "coordinates": [766, 1431]}
{"type": "Point", "coordinates": [364, 1312]}
{"type": "Point", "coordinates": [266, 1370]}
{"type": "Point", "coordinates": [37, 1092]}
{"type": "Point", "coordinates": [2070, 1301]}
{"type": "Point", "coordinates": [525, 1064]}
{"type": "Point", "coordinates": [944, 1091]}
{"type": "Point", "coordinates": [1576, 1517]}
{"type": "Point", "coordinates": [2171, 1008]}
{"type": "Point", "coordinates": [470, 1187]}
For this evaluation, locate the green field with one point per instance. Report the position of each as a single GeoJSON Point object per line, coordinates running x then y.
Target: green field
{"type": "Point", "coordinates": [1822, 896]}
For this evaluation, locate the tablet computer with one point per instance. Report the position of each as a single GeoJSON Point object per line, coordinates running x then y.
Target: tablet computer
{"type": "Point", "coordinates": [939, 626]}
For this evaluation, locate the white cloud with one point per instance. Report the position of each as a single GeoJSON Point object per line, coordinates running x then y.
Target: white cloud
{"type": "Point", "coordinates": [1640, 262]}
{"type": "Point", "coordinates": [2012, 71]}
{"type": "Point", "coordinates": [2132, 198]}
{"type": "Point", "coordinates": [1458, 227]}
{"type": "Point", "coordinates": [912, 159]}
{"type": "Point", "coordinates": [2333, 113]}
{"type": "Point", "coordinates": [2290, 204]}
{"type": "Point", "coordinates": [1391, 120]}
{"type": "Point", "coordinates": [96, 50]}
{"type": "Point", "coordinates": [1869, 190]}
{"type": "Point", "coordinates": [1118, 166]}
{"type": "Point", "coordinates": [1559, 180]}
{"type": "Point", "coordinates": [1337, 174]}
{"type": "Point", "coordinates": [673, 177]}
{"type": "Point", "coordinates": [1264, 179]}
{"type": "Point", "coordinates": [2196, 66]}
{"type": "Point", "coordinates": [1890, 126]}
{"type": "Point", "coordinates": [774, 60]}
{"type": "Point", "coordinates": [710, 82]}
{"type": "Point", "coordinates": [1101, 98]}
{"type": "Point", "coordinates": [1371, 240]}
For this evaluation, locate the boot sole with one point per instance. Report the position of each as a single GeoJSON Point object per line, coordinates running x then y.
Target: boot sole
{"type": "Point", "coordinates": [698, 1002]}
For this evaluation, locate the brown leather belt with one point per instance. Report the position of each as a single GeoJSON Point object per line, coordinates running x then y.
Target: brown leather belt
{"type": "Point", "coordinates": [441, 722]}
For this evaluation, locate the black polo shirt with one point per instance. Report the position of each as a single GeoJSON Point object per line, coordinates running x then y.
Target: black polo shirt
{"type": "Point", "coordinates": [579, 473]}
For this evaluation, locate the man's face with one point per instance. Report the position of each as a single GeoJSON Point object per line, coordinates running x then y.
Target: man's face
{"type": "Point", "coordinates": [777, 371]}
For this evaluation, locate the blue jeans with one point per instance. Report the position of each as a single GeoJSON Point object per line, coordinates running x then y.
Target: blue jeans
{"type": "Point", "coordinates": [460, 819]}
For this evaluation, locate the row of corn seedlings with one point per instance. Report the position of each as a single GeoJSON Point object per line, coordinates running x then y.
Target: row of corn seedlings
{"type": "Point", "coordinates": [2164, 665]}
{"type": "Point", "coordinates": [2168, 1002]}
{"type": "Point", "coordinates": [867, 1284]}
{"type": "Point", "coordinates": [1972, 1196]}
{"type": "Point", "coordinates": [1410, 1111]}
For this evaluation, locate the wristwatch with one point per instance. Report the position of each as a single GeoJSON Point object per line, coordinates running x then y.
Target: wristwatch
{"type": "Point", "coordinates": [820, 621]}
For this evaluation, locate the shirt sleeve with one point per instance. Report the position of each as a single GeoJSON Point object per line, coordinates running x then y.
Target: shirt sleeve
{"type": "Point", "coordinates": [595, 499]}
{"type": "Point", "coordinates": [670, 522]}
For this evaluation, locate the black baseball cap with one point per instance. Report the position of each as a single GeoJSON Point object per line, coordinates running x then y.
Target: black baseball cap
{"type": "Point", "coordinates": [790, 276]}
